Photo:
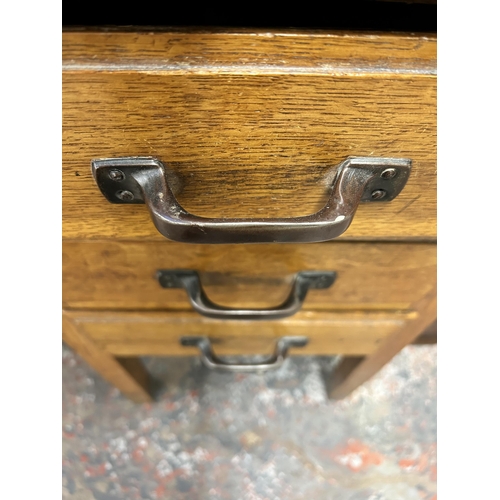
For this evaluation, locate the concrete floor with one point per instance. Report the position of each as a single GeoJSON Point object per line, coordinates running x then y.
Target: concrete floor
{"type": "Point", "coordinates": [252, 437]}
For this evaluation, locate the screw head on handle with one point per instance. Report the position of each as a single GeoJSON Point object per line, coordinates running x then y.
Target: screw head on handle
{"type": "Point", "coordinates": [388, 173]}
{"type": "Point", "coordinates": [124, 195]}
{"type": "Point", "coordinates": [378, 194]}
{"type": "Point", "coordinates": [116, 175]}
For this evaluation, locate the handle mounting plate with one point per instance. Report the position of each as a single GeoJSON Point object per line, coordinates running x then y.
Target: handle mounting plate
{"type": "Point", "coordinates": [102, 170]}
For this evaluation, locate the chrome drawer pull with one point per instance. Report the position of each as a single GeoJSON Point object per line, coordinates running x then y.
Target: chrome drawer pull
{"type": "Point", "coordinates": [190, 281]}
{"type": "Point", "coordinates": [144, 180]}
{"type": "Point", "coordinates": [210, 360]}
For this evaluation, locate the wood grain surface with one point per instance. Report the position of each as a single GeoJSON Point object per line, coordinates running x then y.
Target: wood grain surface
{"type": "Point", "coordinates": [354, 371]}
{"type": "Point", "coordinates": [121, 275]}
{"type": "Point", "coordinates": [247, 51]}
{"type": "Point", "coordinates": [251, 123]}
{"type": "Point", "coordinates": [139, 333]}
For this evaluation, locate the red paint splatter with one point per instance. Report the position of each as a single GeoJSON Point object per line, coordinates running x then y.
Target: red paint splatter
{"type": "Point", "coordinates": [421, 463]}
{"type": "Point", "coordinates": [100, 470]}
{"type": "Point", "coordinates": [160, 491]}
{"type": "Point", "coordinates": [137, 455]}
{"type": "Point", "coordinates": [406, 463]}
{"type": "Point", "coordinates": [433, 471]}
{"type": "Point", "coordinates": [355, 455]}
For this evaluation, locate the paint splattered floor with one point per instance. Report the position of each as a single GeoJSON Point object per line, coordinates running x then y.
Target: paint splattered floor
{"type": "Point", "coordinates": [252, 437]}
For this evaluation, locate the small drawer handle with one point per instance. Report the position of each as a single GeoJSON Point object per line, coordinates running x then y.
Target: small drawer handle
{"type": "Point", "coordinates": [210, 360]}
{"type": "Point", "coordinates": [190, 281]}
{"type": "Point", "coordinates": [357, 179]}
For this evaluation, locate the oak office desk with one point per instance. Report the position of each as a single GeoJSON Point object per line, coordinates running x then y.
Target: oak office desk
{"type": "Point", "coordinates": [250, 124]}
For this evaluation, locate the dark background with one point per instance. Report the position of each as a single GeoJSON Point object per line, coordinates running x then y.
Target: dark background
{"type": "Point", "coordinates": [366, 15]}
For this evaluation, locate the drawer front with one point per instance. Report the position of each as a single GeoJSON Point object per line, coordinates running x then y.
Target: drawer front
{"type": "Point", "coordinates": [251, 124]}
{"type": "Point", "coordinates": [159, 334]}
{"type": "Point", "coordinates": [370, 276]}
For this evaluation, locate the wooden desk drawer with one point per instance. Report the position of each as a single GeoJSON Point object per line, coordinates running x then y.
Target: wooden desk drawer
{"type": "Point", "coordinates": [251, 123]}
{"type": "Point", "coordinates": [158, 333]}
{"type": "Point", "coordinates": [370, 276]}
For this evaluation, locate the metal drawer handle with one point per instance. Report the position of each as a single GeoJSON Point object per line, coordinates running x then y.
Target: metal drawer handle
{"type": "Point", "coordinates": [144, 180]}
{"type": "Point", "coordinates": [210, 360]}
{"type": "Point", "coordinates": [190, 281]}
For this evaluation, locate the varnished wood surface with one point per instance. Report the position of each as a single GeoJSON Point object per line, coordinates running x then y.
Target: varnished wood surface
{"type": "Point", "coordinates": [252, 124]}
{"type": "Point", "coordinates": [428, 336]}
{"type": "Point", "coordinates": [352, 372]}
{"type": "Point", "coordinates": [139, 333]}
{"type": "Point", "coordinates": [247, 51]}
{"type": "Point", "coordinates": [121, 275]}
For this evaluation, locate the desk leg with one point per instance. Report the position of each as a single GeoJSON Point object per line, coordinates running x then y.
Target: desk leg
{"type": "Point", "coordinates": [352, 371]}
{"type": "Point", "coordinates": [127, 374]}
